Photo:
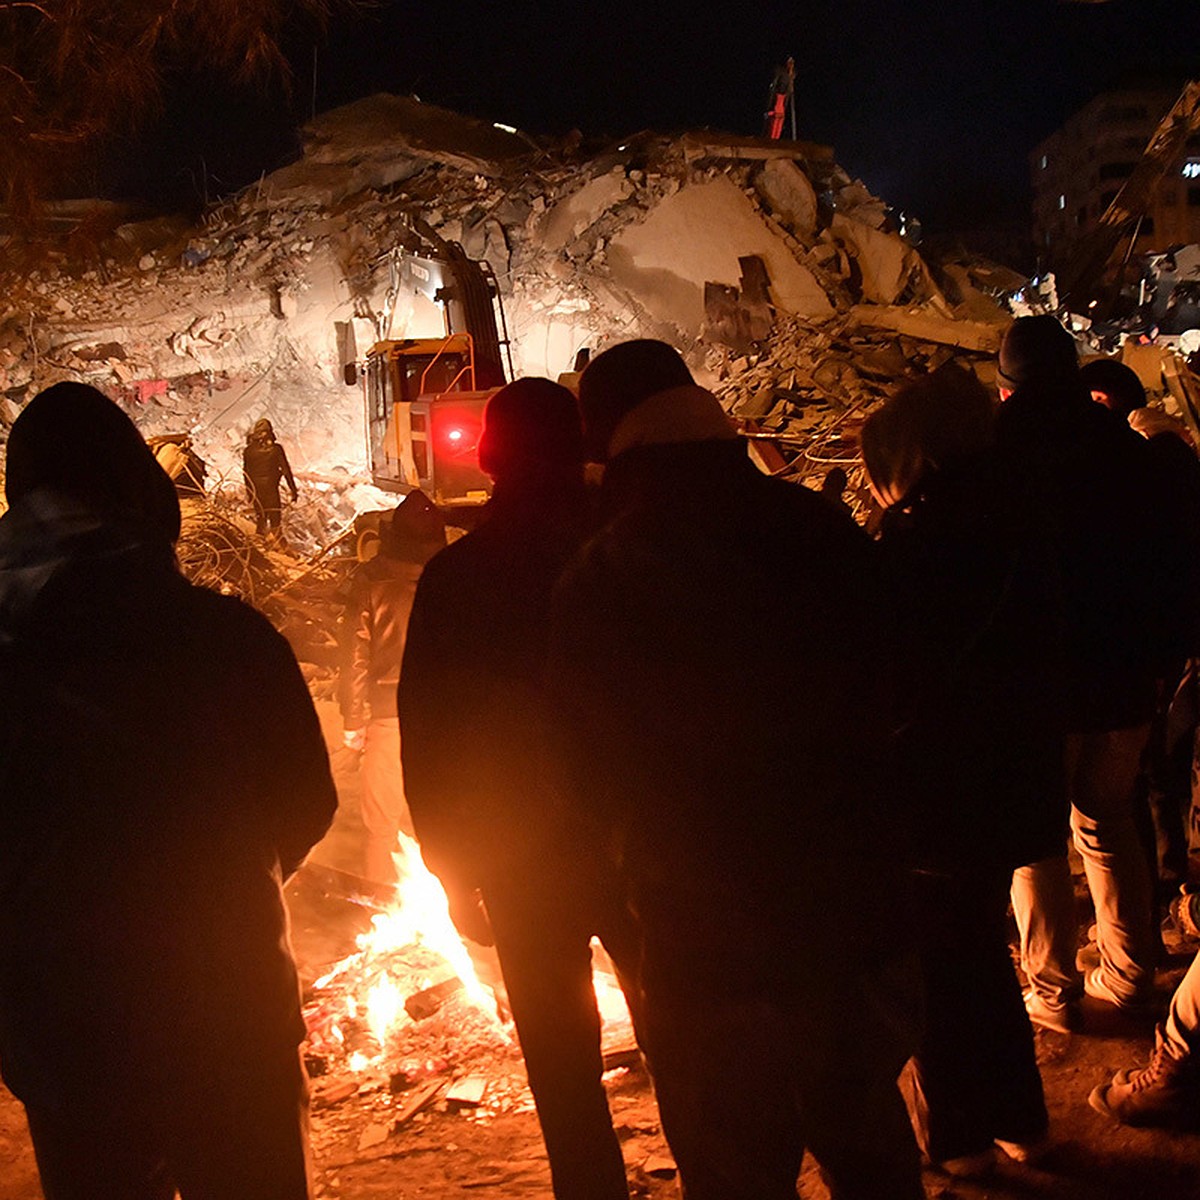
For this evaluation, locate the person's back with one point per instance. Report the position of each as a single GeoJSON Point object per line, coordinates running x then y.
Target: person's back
{"type": "Point", "coordinates": [737, 699]}
{"type": "Point", "coordinates": [718, 672]}
{"type": "Point", "coordinates": [1094, 483]}
{"type": "Point", "coordinates": [516, 868]}
{"type": "Point", "coordinates": [161, 771]}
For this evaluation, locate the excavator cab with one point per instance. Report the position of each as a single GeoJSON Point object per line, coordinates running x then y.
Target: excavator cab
{"type": "Point", "coordinates": [425, 396]}
{"type": "Point", "coordinates": [424, 418]}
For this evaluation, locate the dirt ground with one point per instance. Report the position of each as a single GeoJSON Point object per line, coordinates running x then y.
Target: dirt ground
{"type": "Point", "coordinates": [366, 1144]}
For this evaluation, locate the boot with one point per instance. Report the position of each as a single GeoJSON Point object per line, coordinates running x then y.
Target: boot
{"type": "Point", "coordinates": [1165, 1093]}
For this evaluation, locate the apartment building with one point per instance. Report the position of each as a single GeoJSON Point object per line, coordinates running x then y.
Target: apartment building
{"type": "Point", "coordinates": [1078, 169]}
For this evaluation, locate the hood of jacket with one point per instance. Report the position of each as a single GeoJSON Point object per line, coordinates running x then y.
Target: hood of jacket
{"type": "Point", "coordinates": [51, 547]}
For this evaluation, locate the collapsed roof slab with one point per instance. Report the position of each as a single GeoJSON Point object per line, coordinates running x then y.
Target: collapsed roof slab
{"type": "Point", "coordinates": [927, 326]}
{"type": "Point", "coordinates": [750, 149]}
{"type": "Point", "coordinates": [696, 236]}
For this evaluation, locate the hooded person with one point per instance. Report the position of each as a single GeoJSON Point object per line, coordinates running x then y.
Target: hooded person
{"type": "Point", "coordinates": [1091, 482]}
{"type": "Point", "coordinates": [264, 465]}
{"type": "Point", "coordinates": [718, 682]}
{"type": "Point", "coordinates": [162, 771]}
{"type": "Point", "coordinates": [518, 868]}
{"type": "Point", "coordinates": [380, 601]}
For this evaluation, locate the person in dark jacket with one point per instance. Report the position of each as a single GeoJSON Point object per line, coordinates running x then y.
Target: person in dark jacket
{"type": "Point", "coordinates": [381, 599]}
{"type": "Point", "coordinates": [718, 673]}
{"type": "Point", "coordinates": [162, 771]}
{"type": "Point", "coordinates": [1092, 482]}
{"type": "Point", "coordinates": [490, 827]}
{"type": "Point", "coordinates": [264, 465]}
{"type": "Point", "coordinates": [1166, 777]}
{"type": "Point", "coordinates": [980, 752]}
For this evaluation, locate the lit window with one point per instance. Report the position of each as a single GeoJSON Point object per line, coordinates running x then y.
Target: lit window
{"type": "Point", "coordinates": [1062, 202]}
{"type": "Point", "coordinates": [1045, 161]}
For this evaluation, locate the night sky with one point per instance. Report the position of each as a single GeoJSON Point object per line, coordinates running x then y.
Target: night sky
{"type": "Point", "coordinates": [934, 106]}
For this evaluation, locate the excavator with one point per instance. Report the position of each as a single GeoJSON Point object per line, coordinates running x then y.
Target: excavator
{"type": "Point", "coordinates": [425, 396]}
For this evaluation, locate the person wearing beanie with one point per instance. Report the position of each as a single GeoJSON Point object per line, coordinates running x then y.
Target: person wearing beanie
{"type": "Point", "coordinates": [718, 683]}
{"type": "Point", "coordinates": [376, 625]}
{"type": "Point", "coordinates": [1092, 482]}
{"type": "Point", "coordinates": [517, 868]}
{"type": "Point", "coordinates": [264, 465]}
{"type": "Point", "coordinates": [162, 772]}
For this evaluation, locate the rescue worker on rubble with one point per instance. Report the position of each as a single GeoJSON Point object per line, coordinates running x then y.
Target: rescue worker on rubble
{"type": "Point", "coordinates": [516, 868]}
{"type": "Point", "coordinates": [264, 465]}
{"type": "Point", "coordinates": [377, 612]}
{"type": "Point", "coordinates": [162, 771]}
{"type": "Point", "coordinates": [1123, 574]}
{"type": "Point", "coordinates": [716, 672]}
{"type": "Point", "coordinates": [979, 762]}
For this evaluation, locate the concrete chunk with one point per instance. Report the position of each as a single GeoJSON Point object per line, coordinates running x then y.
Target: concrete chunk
{"type": "Point", "coordinates": [583, 208]}
{"type": "Point", "coordinates": [697, 236]}
{"type": "Point", "coordinates": [790, 195]}
{"type": "Point", "coordinates": [886, 262]}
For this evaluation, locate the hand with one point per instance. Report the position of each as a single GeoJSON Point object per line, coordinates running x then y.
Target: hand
{"type": "Point", "coordinates": [1150, 422]}
{"type": "Point", "coordinates": [469, 915]}
{"type": "Point", "coordinates": [355, 739]}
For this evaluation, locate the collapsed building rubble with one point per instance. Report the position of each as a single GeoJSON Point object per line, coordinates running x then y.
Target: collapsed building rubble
{"type": "Point", "coordinates": [781, 279]}
{"type": "Point", "coordinates": [253, 311]}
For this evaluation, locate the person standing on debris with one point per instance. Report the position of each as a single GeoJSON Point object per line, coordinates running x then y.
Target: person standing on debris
{"type": "Point", "coordinates": [162, 771]}
{"type": "Point", "coordinates": [717, 667]}
{"type": "Point", "coordinates": [264, 464]}
{"type": "Point", "coordinates": [782, 96]}
{"type": "Point", "coordinates": [1093, 484]}
{"type": "Point", "coordinates": [979, 753]}
{"type": "Point", "coordinates": [381, 598]}
{"type": "Point", "coordinates": [472, 737]}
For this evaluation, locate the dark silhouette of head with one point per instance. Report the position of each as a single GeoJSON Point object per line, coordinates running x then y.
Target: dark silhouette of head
{"type": "Point", "coordinates": [1037, 348]}
{"type": "Point", "coordinates": [74, 441]}
{"type": "Point", "coordinates": [1114, 385]}
{"type": "Point", "coordinates": [617, 381]}
{"type": "Point", "coordinates": [414, 531]}
{"type": "Point", "coordinates": [930, 424]}
{"type": "Point", "coordinates": [531, 431]}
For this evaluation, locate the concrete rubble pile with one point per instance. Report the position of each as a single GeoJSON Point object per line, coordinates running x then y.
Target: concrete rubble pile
{"type": "Point", "coordinates": [779, 277]}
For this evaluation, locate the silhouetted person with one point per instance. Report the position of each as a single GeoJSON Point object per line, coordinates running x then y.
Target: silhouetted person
{"type": "Point", "coordinates": [1167, 766]}
{"type": "Point", "coordinates": [490, 827]}
{"type": "Point", "coordinates": [381, 598]}
{"type": "Point", "coordinates": [718, 655]}
{"type": "Point", "coordinates": [162, 771]}
{"type": "Point", "coordinates": [979, 752]}
{"type": "Point", "coordinates": [264, 465]}
{"type": "Point", "coordinates": [1092, 482]}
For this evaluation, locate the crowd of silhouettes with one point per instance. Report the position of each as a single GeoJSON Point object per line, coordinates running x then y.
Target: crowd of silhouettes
{"type": "Point", "coordinates": [695, 712]}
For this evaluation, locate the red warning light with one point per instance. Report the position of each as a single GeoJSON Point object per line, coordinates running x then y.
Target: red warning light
{"type": "Point", "coordinates": [457, 433]}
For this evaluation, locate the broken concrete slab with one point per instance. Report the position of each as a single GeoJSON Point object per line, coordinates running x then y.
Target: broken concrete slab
{"type": "Point", "coordinates": [790, 196]}
{"type": "Point", "coordinates": [710, 144]}
{"type": "Point", "coordinates": [697, 236]}
{"type": "Point", "coordinates": [574, 213]}
{"type": "Point", "coordinates": [928, 327]}
{"type": "Point", "coordinates": [888, 265]}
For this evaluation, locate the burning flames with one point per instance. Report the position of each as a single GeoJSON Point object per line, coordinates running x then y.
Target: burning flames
{"type": "Point", "coordinates": [368, 998]}
{"type": "Point", "coordinates": [373, 1009]}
